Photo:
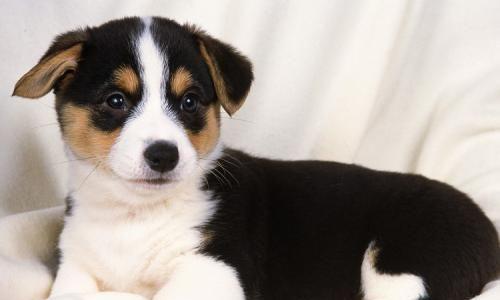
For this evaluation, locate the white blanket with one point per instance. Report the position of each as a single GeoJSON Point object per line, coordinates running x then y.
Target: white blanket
{"type": "Point", "coordinates": [409, 86]}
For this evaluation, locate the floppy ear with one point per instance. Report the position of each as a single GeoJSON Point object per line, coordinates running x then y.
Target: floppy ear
{"type": "Point", "coordinates": [60, 60]}
{"type": "Point", "coordinates": [231, 72]}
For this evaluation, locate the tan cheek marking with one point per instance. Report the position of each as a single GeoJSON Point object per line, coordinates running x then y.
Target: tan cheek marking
{"type": "Point", "coordinates": [181, 80]}
{"type": "Point", "coordinates": [127, 80]}
{"type": "Point", "coordinates": [205, 140]}
{"type": "Point", "coordinates": [84, 139]}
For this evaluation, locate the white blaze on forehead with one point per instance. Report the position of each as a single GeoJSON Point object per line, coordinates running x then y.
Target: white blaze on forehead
{"type": "Point", "coordinates": [154, 70]}
{"type": "Point", "coordinates": [152, 114]}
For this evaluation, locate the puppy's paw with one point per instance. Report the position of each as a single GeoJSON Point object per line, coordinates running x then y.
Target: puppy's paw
{"type": "Point", "coordinates": [99, 296]}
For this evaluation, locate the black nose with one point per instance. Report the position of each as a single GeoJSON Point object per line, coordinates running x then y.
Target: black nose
{"type": "Point", "coordinates": [161, 156]}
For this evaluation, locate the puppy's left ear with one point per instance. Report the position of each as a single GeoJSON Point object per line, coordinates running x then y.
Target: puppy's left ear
{"type": "Point", "coordinates": [60, 60]}
{"type": "Point", "coordinates": [231, 72]}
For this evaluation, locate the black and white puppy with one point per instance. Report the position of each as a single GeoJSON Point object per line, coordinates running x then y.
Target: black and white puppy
{"type": "Point", "coordinates": [158, 208]}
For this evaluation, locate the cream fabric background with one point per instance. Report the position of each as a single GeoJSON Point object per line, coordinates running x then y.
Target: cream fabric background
{"type": "Point", "coordinates": [401, 85]}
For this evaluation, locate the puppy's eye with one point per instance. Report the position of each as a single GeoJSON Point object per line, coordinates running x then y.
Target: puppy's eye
{"type": "Point", "coordinates": [116, 101]}
{"type": "Point", "coordinates": [189, 103]}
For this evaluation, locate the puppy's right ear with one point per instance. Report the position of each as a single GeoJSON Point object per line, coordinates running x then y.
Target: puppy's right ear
{"type": "Point", "coordinates": [60, 60]}
{"type": "Point", "coordinates": [231, 72]}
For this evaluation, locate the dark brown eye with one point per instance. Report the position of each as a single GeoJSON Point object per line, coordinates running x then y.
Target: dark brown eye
{"type": "Point", "coordinates": [116, 101]}
{"type": "Point", "coordinates": [189, 103]}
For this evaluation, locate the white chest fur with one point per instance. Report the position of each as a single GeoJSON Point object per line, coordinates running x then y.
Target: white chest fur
{"type": "Point", "coordinates": [136, 250]}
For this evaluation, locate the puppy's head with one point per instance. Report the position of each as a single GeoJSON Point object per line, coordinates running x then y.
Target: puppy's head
{"type": "Point", "coordinates": [141, 97]}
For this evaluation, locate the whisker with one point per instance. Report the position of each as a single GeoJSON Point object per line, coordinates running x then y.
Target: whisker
{"type": "Point", "coordinates": [236, 160]}
{"type": "Point", "coordinates": [44, 125]}
{"type": "Point", "coordinates": [224, 177]}
{"type": "Point", "coordinates": [237, 119]}
{"type": "Point", "coordinates": [229, 162]}
{"type": "Point", "coordinates": [227, 171]}
{"type": "Point", "coordinates": [211, 171]}
{"type": "Point", "coordinates": [216, 177]}
{"type": "Point", "coordinates": [87, 177]}
{"type": "Point", "coordinates": [73, 160]}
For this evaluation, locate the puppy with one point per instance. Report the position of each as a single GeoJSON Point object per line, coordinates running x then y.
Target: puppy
{"type": "Point", "coordinates": [159, 208]}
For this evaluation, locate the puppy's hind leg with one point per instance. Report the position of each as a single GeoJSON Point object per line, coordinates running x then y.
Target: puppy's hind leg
{"type": "Point", "coordinates": [379, 286]}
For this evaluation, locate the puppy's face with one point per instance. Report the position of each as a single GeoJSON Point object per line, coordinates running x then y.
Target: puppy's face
{"type": "Point", "coordinates": [140, 98]}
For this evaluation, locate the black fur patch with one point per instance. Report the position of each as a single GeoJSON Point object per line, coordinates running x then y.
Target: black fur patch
{"type": "Point", "coordinates": [68, 210]}
{"type": "Point", "coordinates": [299, 230]}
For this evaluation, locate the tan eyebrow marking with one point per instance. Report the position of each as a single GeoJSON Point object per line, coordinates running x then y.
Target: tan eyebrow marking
{"type": "Point", "coordinates": [126, 78]}
{"type": "Point", "coordinates": [180, 82]}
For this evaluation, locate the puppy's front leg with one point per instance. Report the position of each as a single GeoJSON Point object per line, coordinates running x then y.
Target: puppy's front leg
{"type": "Point", "coordinates": [73, 279]}
{"type": "Point", "coordinates": [198, 277]}
{"type": "Point", "coordinates": [74, 283]}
